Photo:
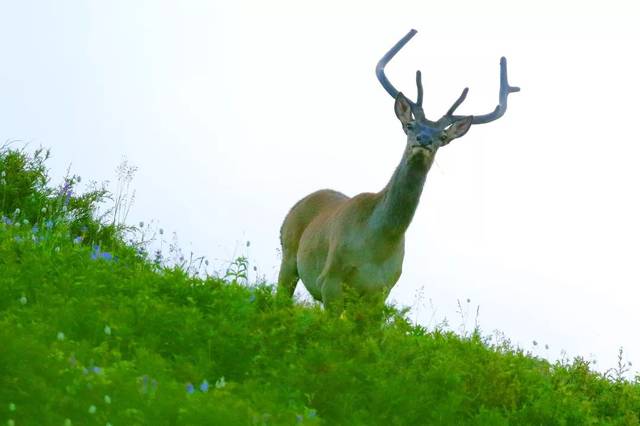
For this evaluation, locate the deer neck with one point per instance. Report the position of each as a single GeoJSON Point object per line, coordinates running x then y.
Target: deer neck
{"type": "Point", "coordinates": [399, 199]}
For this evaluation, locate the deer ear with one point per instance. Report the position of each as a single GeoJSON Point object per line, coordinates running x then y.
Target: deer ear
{"type": "Point", "coordinates": [403, 109]}
{"type": "Point", "coordinates": [459, 127]}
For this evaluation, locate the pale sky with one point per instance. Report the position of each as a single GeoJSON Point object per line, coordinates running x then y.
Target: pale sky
{"type": "Point", "coordinates": [233, 111]}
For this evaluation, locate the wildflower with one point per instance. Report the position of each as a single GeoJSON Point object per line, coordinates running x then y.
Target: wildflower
{"type": "Point", "coordinates": [96, 370]}
{"type": "Point", "coordinates": [35, 229]}
{"type": "Point", "coordinates": [220, 383]}
{"type": "Point", "coordinates": [92, 409]}
{"type": "Point", "coordinates": [107, 399]}
{"type": "Point", "coordinates": [204, 386]}
{"type": "Point", "coordinates": [25, 222]}
{"type": "Point", "coordinates": [17, 224]}
{"type": "Point", "coordinates": [97, 254]}
{"type": "Point", "coordinates": [190, 388]}
{"type": "Point", "coordinates": [57, 249]}
{"type": "Point", "coordinates": [43, 210]}
{"type": "Point", "coordinates": [17, 212]}
{"type": "Point", "coordinates": [12, 406]}
{"type": "Point", "coordinates": [107, 330]}
{"type": "Point", "coordinates": [23, 300]}
{"type": "Point", "coordinates": [77, 240]}
{"type": "Point", "coordinates": [48, 224]}
{"type": "Point", "coordinates": [60, 336]}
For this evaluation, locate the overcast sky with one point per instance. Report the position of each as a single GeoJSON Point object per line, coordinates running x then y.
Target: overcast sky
{"type": "Point", "coordinates": [234, 110]}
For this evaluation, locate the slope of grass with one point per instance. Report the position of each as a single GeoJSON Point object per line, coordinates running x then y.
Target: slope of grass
{"type": "Point", "coordinates": [91, 332]}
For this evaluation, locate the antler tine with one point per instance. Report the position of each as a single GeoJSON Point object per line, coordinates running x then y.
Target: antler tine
{"type": "Point", "coordinates": [386, 58]}
{"type": "Point", "coordinates": [505, 89]}
{"type": "Point", "coordinates": [420, 91]}
{"type": "Point", "coordinates": [457, 103]}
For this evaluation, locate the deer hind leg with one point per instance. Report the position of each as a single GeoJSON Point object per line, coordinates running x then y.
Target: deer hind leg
{"type": "Point", "coordinates": [331, 289]}
{"type": "Point", "coordinates": [288, 276]}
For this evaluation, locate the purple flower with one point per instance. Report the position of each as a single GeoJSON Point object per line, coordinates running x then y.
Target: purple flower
{"type": "Point", "coordinates": [190, 388]}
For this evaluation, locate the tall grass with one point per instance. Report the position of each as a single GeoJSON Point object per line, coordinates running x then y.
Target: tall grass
{"type": "Point", "coordinates": [94, 332]}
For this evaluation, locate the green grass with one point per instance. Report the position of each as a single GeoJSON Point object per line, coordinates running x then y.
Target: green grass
{"type": "Point", "coordinates": [104, 336]}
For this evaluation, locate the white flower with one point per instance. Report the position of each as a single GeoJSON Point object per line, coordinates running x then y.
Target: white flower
{"type": "Point", "coordinates": [220, 383]}
{"type": "Point", "coordinates": [25, 221]}
{"type": "Point", "coordinates": [107, 399]}
{"type": "Point", "coordinates": [24, 300]}
{"type": "Point", "coordinates": [17, 212]}
{"type": "Point", "coordinates": [92, 409]}
{"type": "Point", "coordinates": [107, 330]}
{"type": "Point", "coordinates": [43, 210]}
{"type": "Point", "coordinates": [60, 336]}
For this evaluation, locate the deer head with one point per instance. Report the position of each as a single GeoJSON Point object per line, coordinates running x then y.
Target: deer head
{"type": "Point", "coordinates": [424, 135]}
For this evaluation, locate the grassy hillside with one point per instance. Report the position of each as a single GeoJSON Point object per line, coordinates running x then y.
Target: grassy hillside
{"type": "Point", "coordinates": [93, 332]}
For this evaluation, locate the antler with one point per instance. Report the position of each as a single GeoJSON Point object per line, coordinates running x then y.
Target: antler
{"type": "Point", "coordinates": [505, 89]}
{"type": "Point", "coordinates": [416, 107]}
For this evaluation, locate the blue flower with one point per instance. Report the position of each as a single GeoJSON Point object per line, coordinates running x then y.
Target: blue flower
{"type": "Point", "coordinates": [96, 370]}
{"type": "Point", "coordinates": [97, 254]}
{"type": "Point", "coordinates": [77, 240]}
{"type": "Point", "coordinates": [190, 388]}
{"type": "Point", "coordinates": [204, 386]}
{"type": "Point", "coordinates": [48, 224]}
{"type": "Point", "coordinates": [35, 229]}
{"type": "Point", "coordinates": [6, 220]}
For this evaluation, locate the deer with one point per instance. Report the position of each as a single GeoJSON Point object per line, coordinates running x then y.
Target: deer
{"type": "Point", "coordinates": [335, 243]}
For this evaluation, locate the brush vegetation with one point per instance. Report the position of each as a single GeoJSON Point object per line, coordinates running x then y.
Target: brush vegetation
{"type": "Point", "coordinates": [95, 331]}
